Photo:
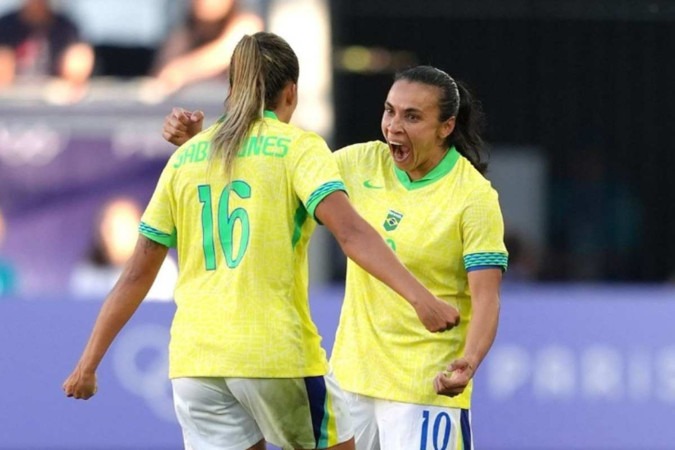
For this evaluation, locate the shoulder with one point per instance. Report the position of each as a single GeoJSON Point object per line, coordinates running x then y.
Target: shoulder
{"type": "Point", "coordinates": [10, 23]}
{"type": "Point", "coordinates": [12, 17]}
{"type": "Point", "coordinates": [471, 175]}
{"type": "Point", "coordinates": [64, 22]}
{"type": "Point", "coordinates": [474, 183]}
{"type": "Point", "coordinates": [363, 150]}
{"type": "Point", "coordinates": [297, 136]}
{"type": "Point", "coordinates": [370, 146]}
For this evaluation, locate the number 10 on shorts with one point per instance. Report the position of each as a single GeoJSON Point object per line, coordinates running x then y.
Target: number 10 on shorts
{"type": "Point", "coordinates": [436, 428]}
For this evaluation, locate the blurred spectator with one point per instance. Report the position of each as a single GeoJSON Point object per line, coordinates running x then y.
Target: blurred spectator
{"type": "Point", "coordinates": [124, 33]}
{"type": "Point", "coordinates": [37, 43]}
{"type": "Point", "coordinates": [114, 240]}
{"type": "Point", "coordinates": [201, 47]}
{"type": "Point", "coordinates": [595, 221]}
{"type": "Point", "coordinates": [7, 272]}
{"type": "Point", "coordinates": [523, 265]}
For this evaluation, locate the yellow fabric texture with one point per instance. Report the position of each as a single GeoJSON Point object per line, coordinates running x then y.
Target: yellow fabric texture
{"type": "Point", "coordinates": [241, 297]}
{"type": "Point", "coordinates": [381, 348]}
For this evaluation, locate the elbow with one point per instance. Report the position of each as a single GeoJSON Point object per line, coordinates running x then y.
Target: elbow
{"type": "Point", "coordinates": [353, 238]}
{"type": "Point", "coordinates": [346, 239]}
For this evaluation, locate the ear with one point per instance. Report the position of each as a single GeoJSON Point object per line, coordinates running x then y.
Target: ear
{"type": "Point", "coordinates": [290, 94]}
{"type": "Point", "coordinates": [447, 128]}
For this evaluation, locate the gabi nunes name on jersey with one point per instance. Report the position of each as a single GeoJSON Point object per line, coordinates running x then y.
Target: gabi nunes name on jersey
{"type": "Point", "coordinates": [275, 146]}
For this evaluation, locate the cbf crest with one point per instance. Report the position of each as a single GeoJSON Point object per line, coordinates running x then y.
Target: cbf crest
{"type": "Point", "coordinates": [392, 220]}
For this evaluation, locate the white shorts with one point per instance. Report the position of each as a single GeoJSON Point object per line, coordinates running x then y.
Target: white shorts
{"type": "Point", "coordinates": [386, 425]}
{"type": "Point", "coordinates": [236, 413]}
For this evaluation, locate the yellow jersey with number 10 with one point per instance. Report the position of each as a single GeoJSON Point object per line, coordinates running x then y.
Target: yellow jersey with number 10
{"type": "Point", "coordinates": [440, 227]}
{"type": "Point", "coordinates": [241, 297]}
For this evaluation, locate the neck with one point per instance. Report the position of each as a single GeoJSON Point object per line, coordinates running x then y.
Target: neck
{"type": "Point", "coordinates": [284, 114]}
{"type": "Point", "coordinates": [422, 170]}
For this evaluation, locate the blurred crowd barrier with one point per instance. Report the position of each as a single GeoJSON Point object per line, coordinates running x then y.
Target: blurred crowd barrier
{"type": "Point", "coordinates": [60, 164]}
{"type": "Point", "coordinates": [573, 367]}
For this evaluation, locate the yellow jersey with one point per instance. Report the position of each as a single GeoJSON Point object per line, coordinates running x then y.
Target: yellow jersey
{"type": "Point", "coordinates": [241, 297]}
{"type": "Point", "coordinates": [440, 227]}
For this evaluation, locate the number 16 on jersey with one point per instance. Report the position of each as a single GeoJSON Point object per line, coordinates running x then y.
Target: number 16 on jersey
{"type": "Point", "coordinates": [225, 222]}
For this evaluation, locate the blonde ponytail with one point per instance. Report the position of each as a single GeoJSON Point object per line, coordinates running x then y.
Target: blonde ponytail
{"type": "Point", "coordinates": [244, 104]}
{"type": "Point", "coordinates": [261, 67]}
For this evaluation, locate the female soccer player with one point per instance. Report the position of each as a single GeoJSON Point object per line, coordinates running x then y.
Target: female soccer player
{"type": "Point", "coordinates": [238, 202]}
{"type": "Point", "coordinates": [424, 190]}
{"type": "Point", "coordinates": [442, 217]}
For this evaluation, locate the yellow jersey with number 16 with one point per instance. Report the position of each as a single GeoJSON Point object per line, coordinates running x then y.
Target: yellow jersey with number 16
{"type": "Point", "coordinates": [241, 297]}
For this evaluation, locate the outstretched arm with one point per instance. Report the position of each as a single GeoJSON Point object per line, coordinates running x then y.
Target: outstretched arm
{"type": "Point", "coordinates": [484, 286]}
{"type": "Point", "coordinates": [361, 243]}
{"type": "Point", "coordinates": [119, 306]}
{"type": "Point", "coordinates": [210, 59]}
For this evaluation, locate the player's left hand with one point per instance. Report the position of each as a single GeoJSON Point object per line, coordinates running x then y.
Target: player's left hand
{"type": "Point", "coordinates": [453, 381]}
{"type": "Point", "coordinates": [80, 384]}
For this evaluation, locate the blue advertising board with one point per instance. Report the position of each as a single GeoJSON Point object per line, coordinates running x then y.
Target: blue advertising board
{"type": "Point", "coordinates": [573, 367]}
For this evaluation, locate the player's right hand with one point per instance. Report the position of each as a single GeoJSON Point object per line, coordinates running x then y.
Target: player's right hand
{"type": "Point", "coordinates": [180, 125]}
{"type": "Point", "coordinates": [80, 384]}
{"type": "Point", "coordinates": [437, 315]}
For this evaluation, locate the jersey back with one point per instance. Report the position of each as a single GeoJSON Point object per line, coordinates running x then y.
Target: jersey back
{"type": "Point", "coordinates": [241, 296]}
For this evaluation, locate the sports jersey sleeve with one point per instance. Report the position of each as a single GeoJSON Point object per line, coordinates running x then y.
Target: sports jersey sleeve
{"type": "Point", "coordinates": [157, 222]}
{"type": "Point", "coordinates": [314, 174]}
{"type": "Point", "coordinates": [483, 232]}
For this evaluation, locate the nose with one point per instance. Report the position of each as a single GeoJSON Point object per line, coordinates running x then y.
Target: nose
{"type": "Point", "coordinates": [394, 125]}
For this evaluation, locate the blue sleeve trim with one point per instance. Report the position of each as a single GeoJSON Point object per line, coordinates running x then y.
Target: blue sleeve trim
{"type": "Point", "coordinates": [474, 268]}
{"type": "Point", "coordinates": [321, 193]}
{"type": "Point", "coordinates": [475, 261]}
{"type": "Point", "coordinates": [166, 239]}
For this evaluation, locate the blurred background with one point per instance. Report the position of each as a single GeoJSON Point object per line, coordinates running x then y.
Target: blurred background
{"type": "Point", "coordinates": [577, 95]}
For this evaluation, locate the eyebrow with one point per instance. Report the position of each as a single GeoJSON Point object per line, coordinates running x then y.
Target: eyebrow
{"type": "Point", "coordinates": [407, 110]}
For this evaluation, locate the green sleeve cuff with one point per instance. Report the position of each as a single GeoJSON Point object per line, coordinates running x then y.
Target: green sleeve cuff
{"type": "Point", "coordinates": [493, 259]}
{"type": "Point", "coordinates": [167, 240]}
{"type": "Point", "coordinates": [321, 193]}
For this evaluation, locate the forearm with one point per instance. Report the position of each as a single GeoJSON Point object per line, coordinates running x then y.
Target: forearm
{"type": "Point", "coordinates": [362, 244]}
{"type": "Point", "coordinates": [201, 63]}
{"type": "Point", "coordinates": [116, 311]}
{"type": "Point", "coordinates": [123, 300]}
{"type": "Point", "coordinates": [482, 328]}
{"type": "Point", "coordinates": [213, 58]}
{"type": "Point", "coordinates": [195, 66]}
{"type": "Point", "coordinates": [7, 66]}
{"type": "Point", "coordinates": [367, 249]}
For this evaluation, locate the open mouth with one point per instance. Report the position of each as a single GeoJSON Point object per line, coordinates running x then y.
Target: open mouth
{"type": "Point", "coordinates": [399, 152]}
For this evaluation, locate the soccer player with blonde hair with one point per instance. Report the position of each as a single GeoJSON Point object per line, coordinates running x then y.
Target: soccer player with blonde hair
{"type": "Point", "coordinates": [239, 202]}
{"type": "Point", "coordinates": [423, 188]}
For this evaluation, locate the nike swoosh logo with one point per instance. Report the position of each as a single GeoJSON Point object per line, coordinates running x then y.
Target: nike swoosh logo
{"type": "Point", "coordinates": [370, 186]}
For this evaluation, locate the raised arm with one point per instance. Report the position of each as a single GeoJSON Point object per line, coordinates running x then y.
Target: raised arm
{"type": "Point", "coordinates": [361, 243]}
{"type": "Point", "coordinates": [210, 59]}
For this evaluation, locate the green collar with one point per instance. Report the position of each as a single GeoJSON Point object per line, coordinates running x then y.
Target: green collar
{"type": "Point", "coordinates": [443, 167]}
